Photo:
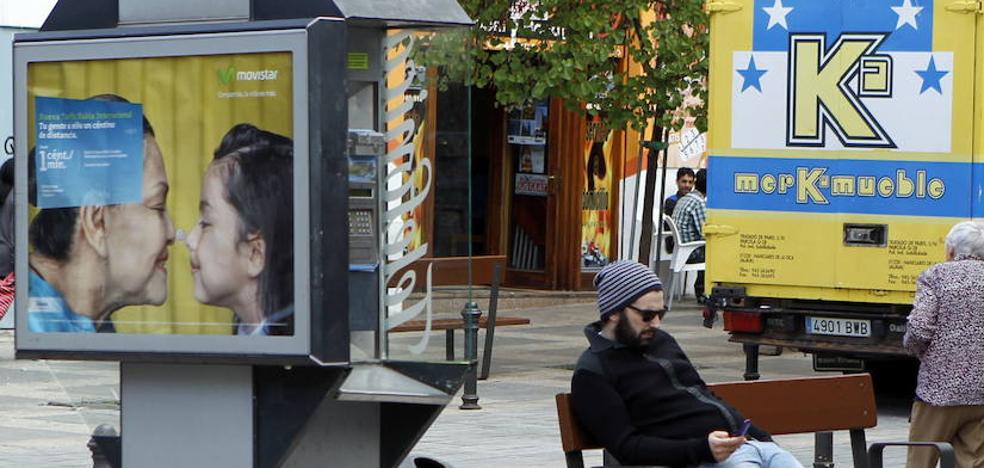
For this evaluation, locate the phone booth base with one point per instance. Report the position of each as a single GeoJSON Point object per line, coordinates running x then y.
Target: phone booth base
{"type": "Point", "coordinates": [238, 416]}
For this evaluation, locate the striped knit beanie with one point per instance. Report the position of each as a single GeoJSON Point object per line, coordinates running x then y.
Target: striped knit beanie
{"type": "Point", "coordinates": [621, 283]}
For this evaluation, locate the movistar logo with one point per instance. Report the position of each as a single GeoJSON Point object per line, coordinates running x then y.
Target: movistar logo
{"type": "Point", "coordinates": [226, 76]}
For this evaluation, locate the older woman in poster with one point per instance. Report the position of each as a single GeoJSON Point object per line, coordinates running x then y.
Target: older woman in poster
{"type": "Point", "coordinates": [946, 332]}
{"type": "Point", "coordinates": [91, 260]}
{"type": "Point", "coordinates": [242, 249]}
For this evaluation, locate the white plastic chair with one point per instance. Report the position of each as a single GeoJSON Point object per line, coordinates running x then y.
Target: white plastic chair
{"type": "Point", "coordinates": [678, 261]}
{"type": "Point", "coordinates": [657, 244]}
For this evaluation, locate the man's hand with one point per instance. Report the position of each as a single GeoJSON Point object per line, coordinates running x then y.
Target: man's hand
{"type": "Point", "coordinates": [723, 445]}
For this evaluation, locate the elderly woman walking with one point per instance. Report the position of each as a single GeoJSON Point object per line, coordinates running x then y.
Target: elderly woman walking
{"type": "Point", "coordinates": [946, 333]}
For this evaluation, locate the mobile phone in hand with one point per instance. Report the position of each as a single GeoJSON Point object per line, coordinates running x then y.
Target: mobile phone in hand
{"type": "Point", "coordinates": [744, 428]}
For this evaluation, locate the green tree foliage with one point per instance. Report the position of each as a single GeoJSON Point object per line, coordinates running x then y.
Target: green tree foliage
{"type": "Point", "coordinates": [532, 49]}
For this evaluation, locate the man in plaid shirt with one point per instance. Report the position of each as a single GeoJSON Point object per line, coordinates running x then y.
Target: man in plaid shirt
{"type": "Point", "coordinates": [689, 216]}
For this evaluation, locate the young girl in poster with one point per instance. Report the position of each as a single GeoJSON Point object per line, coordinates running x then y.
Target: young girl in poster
{"type": "Point", "coordinates": [242, 250]}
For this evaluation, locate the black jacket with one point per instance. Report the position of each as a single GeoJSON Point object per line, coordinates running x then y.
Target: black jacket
{"type": "Point", "coordinates": [648, 406]}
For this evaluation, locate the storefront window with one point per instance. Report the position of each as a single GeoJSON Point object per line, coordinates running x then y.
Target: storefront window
{"type": "Point", "coordinates": [452, 237]}
{"type": "Point", "coordinates": [429, 180]}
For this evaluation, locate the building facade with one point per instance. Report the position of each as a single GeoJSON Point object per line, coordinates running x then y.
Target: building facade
{"type": "Point", "coordinates": [553, 192]}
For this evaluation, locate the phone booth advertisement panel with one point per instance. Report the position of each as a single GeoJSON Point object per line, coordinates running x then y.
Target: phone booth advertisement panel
{"type": "Point", "coordinates": [170, 199]}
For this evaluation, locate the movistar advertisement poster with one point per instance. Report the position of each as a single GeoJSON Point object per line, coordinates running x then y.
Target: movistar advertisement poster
{"type": "Point", "coordinates": [161, 196]}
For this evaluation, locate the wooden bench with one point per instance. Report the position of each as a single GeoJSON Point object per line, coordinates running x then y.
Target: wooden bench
{"type": "Point", "coordinates": [450, 325]}
{"type": "Point", "coordinates": [449, 271]}
{"type": "Point", "coordinates": [788, 406]}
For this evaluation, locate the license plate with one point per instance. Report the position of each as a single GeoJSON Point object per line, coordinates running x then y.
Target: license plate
{"type": "Point", "coordinates": [838, 326]}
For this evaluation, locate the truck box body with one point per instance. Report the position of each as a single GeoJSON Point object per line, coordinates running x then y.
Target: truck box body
{"type": "Point", "coordinates": [842, 150]}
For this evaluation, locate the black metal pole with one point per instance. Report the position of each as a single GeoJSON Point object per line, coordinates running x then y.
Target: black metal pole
{"type": "Point", "coordinates": [470, 314]}
{"type": "Point", "coordinates": [648, 202]}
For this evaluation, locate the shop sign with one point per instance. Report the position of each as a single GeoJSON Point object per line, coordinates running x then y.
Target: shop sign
{"type": "Point", "coordinates": [531, 184]}
{"type": "Point", "coordinates": [525, 21]}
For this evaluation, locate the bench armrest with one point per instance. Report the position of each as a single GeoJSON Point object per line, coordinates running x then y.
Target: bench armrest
{"type": "Point", "coordinates": [947, 459]}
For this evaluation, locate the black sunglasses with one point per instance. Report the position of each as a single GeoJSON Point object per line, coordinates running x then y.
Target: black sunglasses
{"type": "Point", "coordinates": [649, 314]}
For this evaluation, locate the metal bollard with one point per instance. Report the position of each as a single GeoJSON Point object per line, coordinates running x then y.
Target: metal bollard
{"type": "Point", "coordinates": [471, 313]}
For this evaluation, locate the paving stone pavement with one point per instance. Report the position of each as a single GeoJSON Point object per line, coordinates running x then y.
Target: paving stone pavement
{"type": "Point", "coordinates": [48, 409]}
{"type": "Point", "coordinates": [517, 425]}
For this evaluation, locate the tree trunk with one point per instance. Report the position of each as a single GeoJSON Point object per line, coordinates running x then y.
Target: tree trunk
{"type": "Point", "coordinates": [648, 199]}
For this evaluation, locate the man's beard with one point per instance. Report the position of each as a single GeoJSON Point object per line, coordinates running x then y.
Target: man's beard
{"type": "Point", "coordinates": [625, 335]}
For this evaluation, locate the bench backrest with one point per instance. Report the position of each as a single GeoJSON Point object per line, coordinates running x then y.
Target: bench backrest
{"type": "Point", "coordinates": [812, 404]}
{"type": "Point", "coordinates": [785, 406]}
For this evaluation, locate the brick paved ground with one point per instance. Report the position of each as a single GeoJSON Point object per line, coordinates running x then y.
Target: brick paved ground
{"type": "Point", "coordinates": [49, 408]}
{"type": "Point", "coordinates": [518, 425]}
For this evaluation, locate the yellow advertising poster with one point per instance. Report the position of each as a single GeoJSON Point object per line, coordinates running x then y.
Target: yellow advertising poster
{"type": "Point", "coordinates": [841, 145]}
{"type": "Point", "coordinates": [420, 178]}
{"type": "Point", "coordinates": [596, 200]}
{"type": "Point", "coordinates": [415, 90]}
{"type": "Point", "coordinates": [162, 195]}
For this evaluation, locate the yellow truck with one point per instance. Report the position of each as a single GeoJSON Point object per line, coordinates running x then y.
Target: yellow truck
{"type": "Point", "coordinates": [843, 146]}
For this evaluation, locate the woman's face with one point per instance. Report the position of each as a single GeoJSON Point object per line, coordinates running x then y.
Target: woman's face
{"type": "Point", "coordinates": [220, 260]}
{"type": "Point", "coordinates": [140, 235]}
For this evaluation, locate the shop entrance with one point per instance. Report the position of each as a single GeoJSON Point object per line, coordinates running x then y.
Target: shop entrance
{"type": "Point", "coordinates": [527, 174]}
{"type": "Point", "coordinates": [531, 177]}
{"type": "Point", "coordinates": [543, 164]}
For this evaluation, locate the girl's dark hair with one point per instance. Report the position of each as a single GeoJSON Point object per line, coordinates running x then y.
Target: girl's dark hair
{"type": "Point", "coordinates": [244, 134]}
{"type": "Point", "coordinates": [259, 182]}
{"type": "Point", "coordinates": [52, 230]}
{"type": "Point", "coordinates": [6, 179]}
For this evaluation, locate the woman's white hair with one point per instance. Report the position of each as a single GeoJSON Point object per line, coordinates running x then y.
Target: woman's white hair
{"type": "Point", "coordinates": [966, 239]}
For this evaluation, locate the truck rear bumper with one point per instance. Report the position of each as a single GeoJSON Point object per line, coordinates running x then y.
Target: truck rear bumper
{"type": "Point", "coordinates": [860, 350]}
{"type": "Point", "coordinates": [860, 330]}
